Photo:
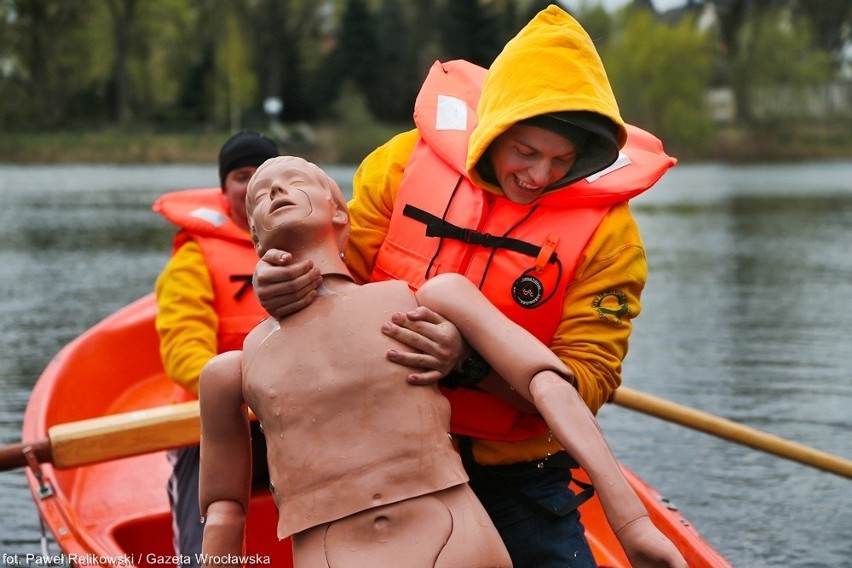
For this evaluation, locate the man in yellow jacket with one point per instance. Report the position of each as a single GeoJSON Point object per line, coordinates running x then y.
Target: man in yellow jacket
{"type": "Point", "coordinates": [517, 178]}
{"type": "Point", "coordinates": [205, 303]}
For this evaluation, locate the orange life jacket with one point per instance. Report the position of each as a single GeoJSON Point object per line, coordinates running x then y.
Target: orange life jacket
{"type": "Point", "coordinates": [202, 216]}
{"type": "Point", "coordinates": [522, 257]}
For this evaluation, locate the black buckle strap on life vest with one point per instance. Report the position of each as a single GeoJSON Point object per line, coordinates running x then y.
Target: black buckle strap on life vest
{"type": "Point", "coordinates": [437, 227]}
{"type": "Point", "coordinates": [560, 460]}
{"type": "Point", "coordinates": [246, 280]}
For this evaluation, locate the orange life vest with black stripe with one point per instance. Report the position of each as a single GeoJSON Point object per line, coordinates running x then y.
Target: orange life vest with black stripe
{"type": "Point", "coordinates": [521, 256]}
{"type": "Point", "coordinates": [201, 215]}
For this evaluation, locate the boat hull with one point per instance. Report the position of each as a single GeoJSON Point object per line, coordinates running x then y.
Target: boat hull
{"type": "Point", "coordinates": [118, 511]}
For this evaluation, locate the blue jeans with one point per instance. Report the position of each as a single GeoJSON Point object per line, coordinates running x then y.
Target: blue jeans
{"type": "Point", "coordinates": [183, 499]}
{"type": "Point", "coordinates": [182, 488]}
{"type": "Point", "coordinates": [523, 500]}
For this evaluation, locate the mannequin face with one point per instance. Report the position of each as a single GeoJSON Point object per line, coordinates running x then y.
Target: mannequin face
{"type": "Point", "coordinates": [528, 159]}
{"type": "Point", "coordinates": [292, 203]}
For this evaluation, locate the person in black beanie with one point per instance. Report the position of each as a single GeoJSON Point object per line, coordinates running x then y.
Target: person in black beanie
{"type": "Point", "coordinates": [206, 306]}
{"type": "Point", "coordinates": [239, 157]}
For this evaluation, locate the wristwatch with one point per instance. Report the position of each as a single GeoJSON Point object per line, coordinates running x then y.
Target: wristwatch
{"type": "Point", "coordinates": [473, 370]}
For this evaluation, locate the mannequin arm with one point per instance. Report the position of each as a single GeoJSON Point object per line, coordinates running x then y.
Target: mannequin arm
{"type": "Point", "coordinates": [225, 474]}
{"type": "Point", "coordinates": [538, 375]}
{"type": "Point", "coordinates": [578, 432]}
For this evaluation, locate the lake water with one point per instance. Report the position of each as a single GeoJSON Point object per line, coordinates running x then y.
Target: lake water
{"type": "Point", "coordinates": [745, 315]}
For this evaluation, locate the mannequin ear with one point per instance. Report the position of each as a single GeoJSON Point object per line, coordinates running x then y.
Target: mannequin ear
{"type": "Point", "coordinates": [340, 217]}
{"type": "Point", "coordinates": [340, 221]}
{"type": "Point", "coordinates": [256, 241]}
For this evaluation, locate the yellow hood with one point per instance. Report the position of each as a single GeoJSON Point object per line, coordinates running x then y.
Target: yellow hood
{"type": "Point", "coordinates": [550, 66]}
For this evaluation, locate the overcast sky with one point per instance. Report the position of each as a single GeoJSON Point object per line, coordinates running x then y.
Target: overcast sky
{"type": "Point", "coordinates": [610, 5]}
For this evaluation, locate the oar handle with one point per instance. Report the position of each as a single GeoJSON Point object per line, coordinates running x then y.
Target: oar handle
{"type": "Point", "coordinates": [729, 430]}
{"type": "Point", "coordinates": [14, 456]}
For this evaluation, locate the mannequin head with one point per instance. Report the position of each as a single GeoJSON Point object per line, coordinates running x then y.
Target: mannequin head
{"type": "Point", "coordinates": [295, 206]}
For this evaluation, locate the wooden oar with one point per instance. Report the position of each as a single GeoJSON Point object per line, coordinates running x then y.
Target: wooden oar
{"type": "Point", "coordinates": [177, 425]}
{"type": "Point", "coordinates": [110, 437]}
{"type": "Point", "coordinates": [729, 430]}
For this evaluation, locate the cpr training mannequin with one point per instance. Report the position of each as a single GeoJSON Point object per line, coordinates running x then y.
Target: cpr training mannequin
{"type": "Point", "coordinates": [362, 467]}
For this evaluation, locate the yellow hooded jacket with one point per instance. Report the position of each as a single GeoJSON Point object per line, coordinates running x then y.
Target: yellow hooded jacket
{"type": "Point", "coordinates": [204, 297]}
{"type": "Point", "coordinates": [550, 66]}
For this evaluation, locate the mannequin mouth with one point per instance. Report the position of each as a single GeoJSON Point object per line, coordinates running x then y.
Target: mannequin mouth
{"type": "Point", "coordinates": [280, 204]}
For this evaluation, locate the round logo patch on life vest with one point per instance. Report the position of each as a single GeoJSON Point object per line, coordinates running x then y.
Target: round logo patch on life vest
{"type": "Point", "coordinates": [527, 291]}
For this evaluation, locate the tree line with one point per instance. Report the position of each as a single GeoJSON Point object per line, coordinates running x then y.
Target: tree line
{"type": "Point", "coordinates": [197, 63]}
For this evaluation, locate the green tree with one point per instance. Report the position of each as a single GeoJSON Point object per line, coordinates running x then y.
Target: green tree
{"type": "Point", "coordinates": [424, 33]}
{"type": "Point", "coordinates": [122, 17]}
{"type": "Point", "coordinates": [353, 57]}
{"type": "Point", "coordinates": [534, 7]}
{"type": "Point", "coordinates": [284, 40]}
{"type": "Point", "coordinates": [163, 53]}
{"type": "Point", "coordinates": [660, 74]}
{"type": "Point", "coordinates": [831, 24]}
{"type": "Point", "coordinates": [471, 31]}
{"type": "Point", "coordinates": [736, 21]}
{"type": "Point", "coordinates": [236, 79]}
{"type": "Point", "coordinates": [398, 79]}
{"type": "Point", "coordinates": [42, 49]}
{"type": "Point", "coordinates": [782, 64]}
{"type": "Point", "coordinates": [597, 22]}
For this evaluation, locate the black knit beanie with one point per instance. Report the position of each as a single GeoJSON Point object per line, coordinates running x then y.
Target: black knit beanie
{"type": "Point", "coordinates": [244, 149]}
{"type": "Point", "coordinates": [594, 135]}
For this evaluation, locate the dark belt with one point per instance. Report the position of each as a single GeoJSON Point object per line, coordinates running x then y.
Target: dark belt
{"type": "Point", "coordinates": [560, 460]}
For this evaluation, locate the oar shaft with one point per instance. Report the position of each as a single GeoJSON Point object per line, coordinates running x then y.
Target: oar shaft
{"type": "Point", "coordinates": [729, 430]}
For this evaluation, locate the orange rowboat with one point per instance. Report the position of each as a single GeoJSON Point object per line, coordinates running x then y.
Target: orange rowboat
{"type": "Point", "coordinates": [115, 511]}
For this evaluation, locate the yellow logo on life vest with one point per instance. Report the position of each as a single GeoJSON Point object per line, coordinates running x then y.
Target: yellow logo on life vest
{"type": "Point", "coordinates": [611, 306]}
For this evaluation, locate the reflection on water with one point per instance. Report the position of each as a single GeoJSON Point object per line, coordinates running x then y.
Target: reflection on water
{"type": "Point", "coordinates": [744, 316]}
{"type": "Point", "coordinates": [748, 267]}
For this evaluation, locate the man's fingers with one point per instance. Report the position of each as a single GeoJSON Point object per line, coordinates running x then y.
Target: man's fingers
{"type": "Point", "coordinates": [421, 314]}
{"type": "Point", "coordinates": [425, 373]}
{"type": "Point", "coordinates": [411, 337]}
{"type": "Point", "coordinates": [435, 339]}
{"type": "Point", "coordinates": [288, 279]}
{"type": "Point", "coordinates": [283, 296]}
{"type": "Point", "coordinates": [276, 257]}
{"type": "Point", "coordinates": [286, 305]}
{"type": "Point", "coordinates": [423, 322]}
{"type": "Point", "coordinates": [424, 378]}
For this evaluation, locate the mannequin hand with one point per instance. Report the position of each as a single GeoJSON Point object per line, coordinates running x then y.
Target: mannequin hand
{"type": "Point", "coordinates": [438, 344]}
{"type": "Point", "coordinates": [282, 286]}
{"type": "Point", "coordinates": [224, 527]}
{"type": "Point", "coordinates": [646, 547]}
